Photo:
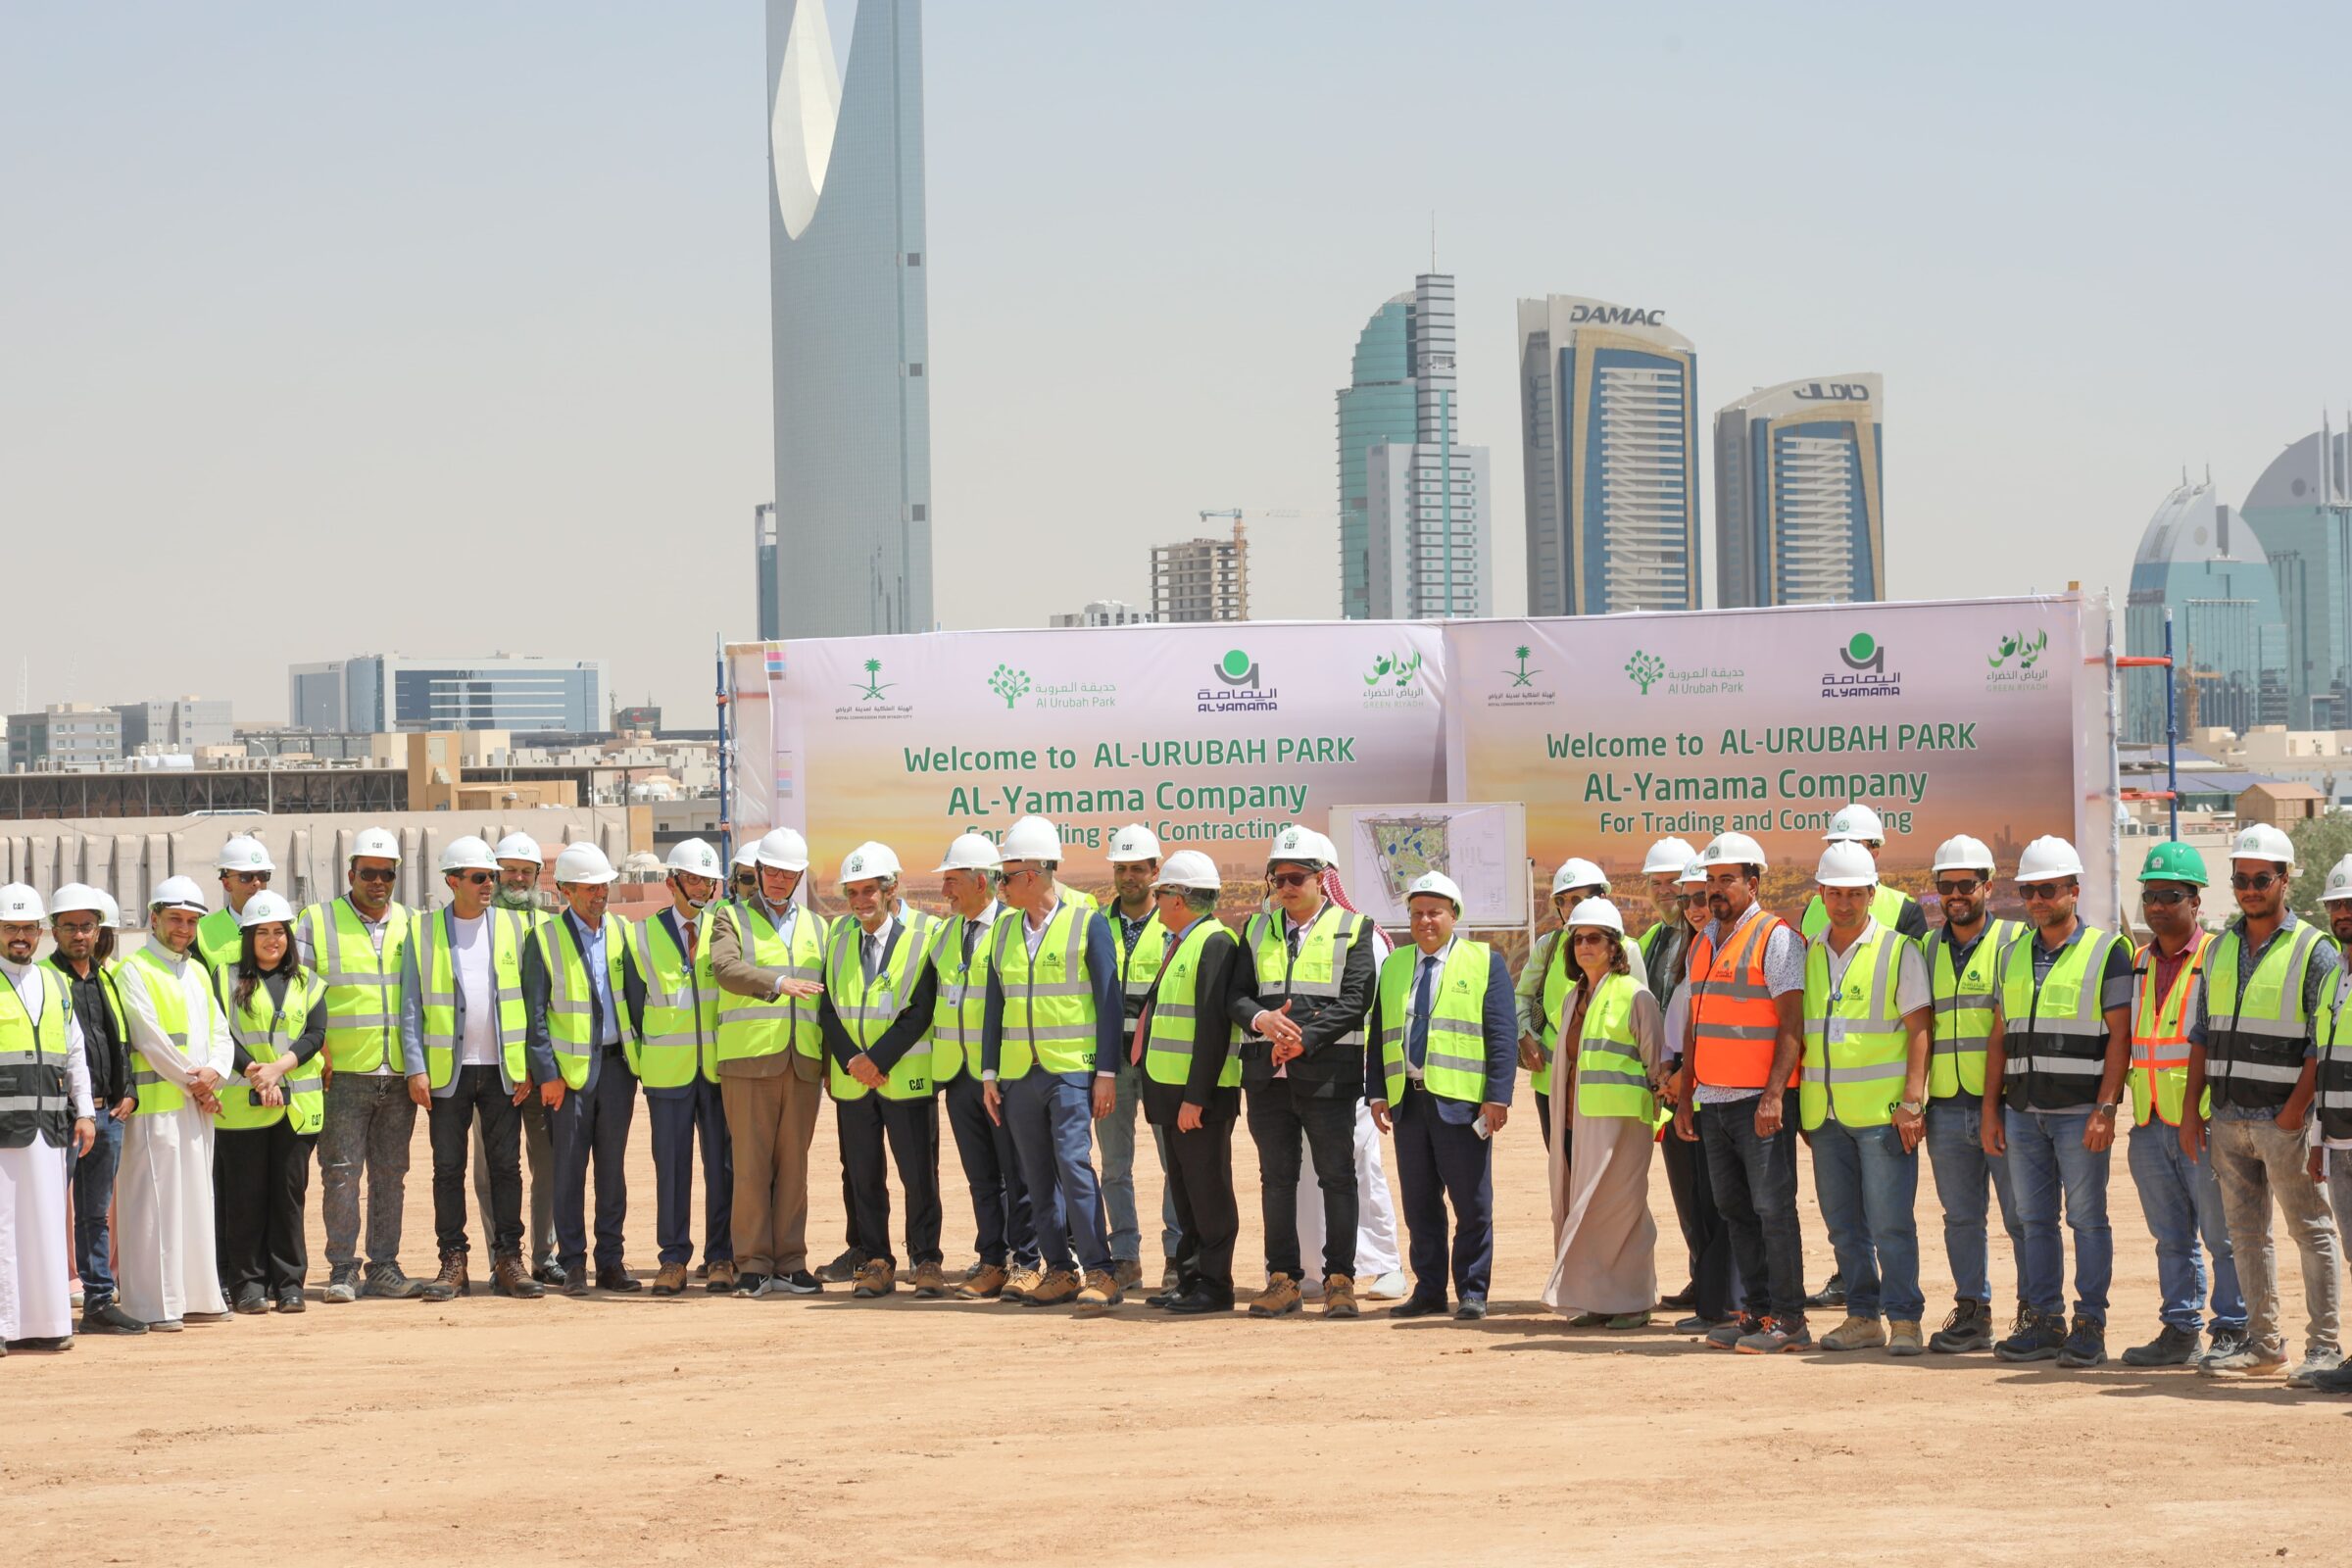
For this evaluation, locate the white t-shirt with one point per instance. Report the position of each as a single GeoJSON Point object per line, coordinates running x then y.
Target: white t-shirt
{"type": "Point", "coordinates": [469, 957]}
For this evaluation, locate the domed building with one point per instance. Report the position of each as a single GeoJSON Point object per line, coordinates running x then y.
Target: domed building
{"type": "Point", "coordinates": [2302, 508]}
{"type": "Point", "coordinates": [2201, 560]}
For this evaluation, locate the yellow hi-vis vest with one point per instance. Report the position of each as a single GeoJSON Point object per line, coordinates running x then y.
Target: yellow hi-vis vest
{"type": "Point", "coordinates": [1048, 1017]}
{"type": "Point", "coordinates": [572, 998]}
{"type": "Point", "coordinates": [1455, 1064]}
{"type": "Point", "coordinates": [958, 1014]}
{"type": "Point", "coordinates": [36, 1095]}
{"type": "Point", "coordinates": [1855, 1043]}
{"type": "Point", "coordinates": [2332, 1030]}
{"type": "Point", "coordinates": [363, 985]}
{"type": "Point", "coordinates": [756, 1026]}
{"type": "Point", "coordinates": [267, 1030]}
{"type": "Point", "coordinates": [1609, 1077]}
{"type": "Point", "coordinates": [1176, 1010]}
{"type": "Point", "coordinates": [1323, 948]}
{"type": "Point", "coordinates": [1963, 1003]}
{"type": "Point", "coordinates": [220, 943]}
{"type": "Point", "coordinates": [2159, 1076]}
{"type": "Point", "coordinates": [437, 973]}
{"type": "Point", "coordinates": [2254, 1043]}
{"type": "Point", "coordinates": [866, 1011]}
{"type": "Point", "coordinates": [157, 1092]}
{"type": "Point", "coordinates": [1138, 965]}
{"type": "Point", "coordinates": [681, 1023]}
{"type": "Point", "coordinates": [2064, 1014]}
{"type": "Point", "coordinates": [1886, 907]}
{"type": "Point", "coordinates": [1559, 980]}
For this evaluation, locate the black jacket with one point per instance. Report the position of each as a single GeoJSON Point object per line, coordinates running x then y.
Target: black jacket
{"type": "Point", "coordinates": [1212, 1039]}
{"type": "Point", "coordinates": [103, 1046]}
{"type": "Point", "coordinates": [1328, 1069]}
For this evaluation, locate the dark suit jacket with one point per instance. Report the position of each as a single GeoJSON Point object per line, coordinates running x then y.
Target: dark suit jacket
{"type": "Point", "coordinates": [1499, 1020]}
{"type": "Point", "coordinates": [1328, 1069]}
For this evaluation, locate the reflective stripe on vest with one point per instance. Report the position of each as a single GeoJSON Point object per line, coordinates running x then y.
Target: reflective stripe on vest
{"type": "Point", "coordinates": [1455, 1064]}
{"type": "Point", "coordinates": [868, 1014]}
{"type": "Point", "coordinates": [1321, 965]}
{"type": "Point", "coordinates": [2333, 1032]}
{"type": "Point", "coordinates": [1176, 1011]}
{"type": "Point", "coordinates": [1735, 1021]}
{"type": "Point", "coordinates": [1855, 1043]}
{"type": "Point", "coordinates": [1049, 1000]}
{"type": "Point", "coordinates": [2063, 1013]}
{"type": "Point", "coordinates": [437, 973]}
{"type": "Point", "coordinates": [2159, 1076]}
{"type": "Point", "coordinates": [1963, 1003]}
{"type": "Point", "coordinates": [963, 1006]}
{"type": "Point", "coordinates": [1609, 1077]}
{"type": "Point", "coordinates": [265, 1038]}
{"type": "Point", "coordinates": [679, 1037]}
{"type": "Point", "coordinates": [572, 1010]}
{"type": "Point", "coordinates": [765, 1026]}
{"type": "Point", "coordinates": [156, 1092]}
{"type": "Point", "coordinates": [2254, 1043]}
{"type": "Point", "coordinates": [1138, 965]}
{"type": "Point", "coordinates": [363, 986]}
{"type": "Point", "coordinates": [35, 1087]}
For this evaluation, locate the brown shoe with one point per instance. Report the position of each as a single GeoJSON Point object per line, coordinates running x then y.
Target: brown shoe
{"type": "Point", "coordinates": [1024, 1280]}
{"type": "Point", "coordinates": [986, 1284]}
{"type": "Point", "coordinates": [1339, 1296]}
{"type": "Point", "coordinates": [930, 1282]}
{"type": "Point", "coordinates": [1058, 1288]}
{"type": "Point", "coordinates": [1129, 1272]}
{"type": "Point", "coordinates": [615, 1277]}
{"type": "Point", "coordinates": [1279, 1298]}
{"type": "Point", "coordinates": [1102, 1292]}
{"type": "Point", "coordinates": [450, 1283]}
{"type": "Point", "coordinates": [670, 1280]}
{"type": "Point", "coordinates": [721, 1276]}
{"type": "Point", "coordinates": [508, 1277]}
{"type": "Point", "coordinates": [876, 1277]}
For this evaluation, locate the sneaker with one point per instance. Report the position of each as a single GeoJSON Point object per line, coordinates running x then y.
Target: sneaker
{"type": "Point", "coordinates": [1624, 1322]}
{"type": "Point", "coordinates": [1855, 1334]}
{"type": "Point", "coordinates": [798, 1282]}
{"type": "Point", "coordinates": [1339, 1297]}
{"type": "Point", "coordinates": [2223, 1340]}
{"type": "Point", "coordinates": [1969, 1328]}
{"type": "Point", "coordinates": [78, 1301]}
{"type": "Point", "coordinates": [1588, 1320]}
{"type": "Point", "coordinates": [1128, 1272]}
{"type": "Point", "coordinates": [342, 1284]}
{"type": "Point", "coordinates": [1902, 1338]}
{"type": "Point", "coordinates": [1389, 1286]}
{"type": "Point", "coordinates": [876, 1277]}
{"type": "Point", "coordinates": [551, 1274]}
{"type": "Point", "coordinates": [2245, 1362]}
{"type": "Point", "coordinates": [107, 1318]}
{"type": "Point", "coordinates": [1102, 1292]}
{"type": "Point", "coordinates": [2086, 1344]}
{"type": "Point", "coordinates": [1774, 1336]}
{"type": "Point", "coordinates": [1471, 1309]}
{"type": "Point", "coordinates": [1279, 1298]}
{"type": "Point", "coordinates": [2041, 1338]}
{"type": "Point", "coordinates": [2171, 1346]}
{"type": "Point", "coordinates": [1694, 1324]}
{"type": "Point", "coordinates": [930, 1282]}
{"type": "Point", "coordinates": [251, 1300]}
{"type": "Point", "coordinates": [750, 1282]}
{"type": "Point", "coordinates": [986, 1284]}
{"type": "Point", "coordinates": [1058, 1288]}
{"type": "Point", "coordinates": [1832, 1295]}
{"type": "Point", "coordinates": [2312, 1366]}
{"type": "Point", "coordinates": [386, 1282]}
{"type": "Point", "coordinates": [1727, 1335]}
{"type": "Point", "coordinates": [844, 1268]}
{"type": "Point", "coordinates": [206, 1317]}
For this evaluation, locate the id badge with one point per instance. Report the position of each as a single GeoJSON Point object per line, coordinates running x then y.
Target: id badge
{"type": "Point", "coordinates": [886, 1000]}
{"type": "Point", "coordinates": [1837, 1031]}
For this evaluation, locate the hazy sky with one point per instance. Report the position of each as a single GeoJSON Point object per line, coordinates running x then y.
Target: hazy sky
{"type": "Point", "coordinates": [331, 329]}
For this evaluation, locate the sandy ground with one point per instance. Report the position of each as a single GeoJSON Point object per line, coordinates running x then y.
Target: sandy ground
{"type": "Point", "coordinates": [821, 1430]}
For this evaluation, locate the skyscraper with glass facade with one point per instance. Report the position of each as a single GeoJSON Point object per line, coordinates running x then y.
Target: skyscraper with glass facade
{"type": "Point", "coordinates": [2199, 559]}
{"type": "Point", "coordinates": [850, 332]}
{"type": "Point", "coordinates": [1376, 407]}
{"type": "Point", "coordinates": [1799, 497]}
{"type": "Point", "coordinates": [2301, 508]}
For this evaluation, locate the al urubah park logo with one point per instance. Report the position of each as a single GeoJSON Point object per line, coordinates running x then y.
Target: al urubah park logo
{"type": "Point", "coordinates": [1649, 673]}
{"type": "Point", "coordinates": [1011, 684]}
{"type": "Point", "coordinates": [2019, 662]}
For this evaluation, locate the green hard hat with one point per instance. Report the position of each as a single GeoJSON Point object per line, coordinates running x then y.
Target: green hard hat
{"type": "Point", "coordinates": [2174, 863]}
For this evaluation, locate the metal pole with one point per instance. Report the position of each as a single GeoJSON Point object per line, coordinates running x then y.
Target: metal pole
{"type": "Point", "coordinates": [2111, 798]}
{"type": "Point", "coordinates": [2171, 728]}
{"type": "Point", "coordinates": [726, 840]}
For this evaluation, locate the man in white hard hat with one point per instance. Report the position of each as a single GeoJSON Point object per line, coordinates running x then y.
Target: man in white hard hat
{"type": "Point", "coordinates": [356, 945]}
{"type": "Point", "coordinates": [1135, 921]}
{"type": "Point", "coordinates": [1302, 987]}
{"type": "Point", "coordinates": [1440, 1079]}
{"type": "Point", "coordinates": [768, 953]}
{"type": "Point", "coordinates": [673, 1018]}
{"type": "Point", "coordinates": [167, 1257]}
{"type": "Point", "coordinates": [1890, 907]}
{"type": "Point", "coordinates": [46, 1118]}
{"type": "Point", "coordinates": [881, 995]}
{"type": "Point", "coordinates": [2332, 1102]}
{"type": "Point", "coordinates": [579, 1059]}
{"type": "Point", "coordinates": [464, 1025]}
{"type": "Point", "coordinates": [521, 865]}
{"type": "Point", "coordinates": [1191, 1079]}
{"type": "Point", "coordinates": [1714, 1293]}
{"type": "Point", "coordinates": [2252, 1044]}
{"type": "Point", "coordinates": [1862, 1101]}
{"type": "Point", "coordinates": [76, 913]}
{"type": "Point", "coordinates": [1049, 1045]}
{"type": "Point", "coordinates": [1547, 977]}
{"type": "Point", "coordinates": [245, 868]}
{"type": "Point", "coordinates": [1005, 1238]}
{"type": "Point", "coordinates": [1964, 957]}
{"type": "Point", "coordinates": [2053, 1079]}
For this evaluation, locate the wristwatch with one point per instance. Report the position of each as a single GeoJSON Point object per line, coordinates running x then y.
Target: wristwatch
{"type": "Point", "coordinates": [2107, 1107]}
{"type": "Point", "coordinates": [1911, 1108]}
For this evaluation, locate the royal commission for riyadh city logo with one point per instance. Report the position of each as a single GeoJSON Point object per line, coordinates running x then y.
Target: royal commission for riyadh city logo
{"type": "Point", "coordinates": [1236, 686]}
{"type": "Point", "coordinates": [1863, 670]}
{"type": "Point", "coordinates": [873, 698]}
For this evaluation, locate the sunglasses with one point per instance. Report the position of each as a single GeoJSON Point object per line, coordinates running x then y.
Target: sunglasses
{"type": "Point", "coordinates": [2164, 898]}
{"type": "Point", "coordinates": [2254, 883]}
{"type": "Point", "coordinates": [384, 875]}
{"type": "Point", "coordinates": [2040, 890]}
{"type": "Point", "coordinates": [250, 879]}
{"type": "Point", "coordinates": [1958, 889]}
{"type": "Point", "coordinates": [1583, 937]}
{"type": "Point", "coordinates": [476, 878]}
{"type": "Point", "coordinates": [1291, 879]}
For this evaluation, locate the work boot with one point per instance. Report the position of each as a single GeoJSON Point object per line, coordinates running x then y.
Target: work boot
{"type": "Point", "coordinates": [1902, 1337]}
{"type": "Point", "coordinates": [1969, 1328]}
{"type": "Point", "coordinates": [107, 1318]}
{"type": "Point", "coordinates": [1102, 1290]}
{"type": "Point", "coordinates": [2039, 1339]}
{"type": "Point", "coordinates": [342, 1284]}
{"type": "Point", "coordinates": [2313, 1364]}
{"type": "Point", "coordinates": [1058, 1288]}
{"type": "Point", "coordinates": [986, 1284]}
{"type": "Point", "coordinates": [2086, 1344]}
{"type": "Point", "coordinates": [1129, 1272]}
{"type": "Point", "coordinates": [1279, 1298]}
{"type": "Point", "coordinates": [1727, 1335]}
{"type": "Point", "coordinates": [843, 1269]}
{"type": "Point", "coordinates": [2171, 1346]}
{"type": "Point", "coordinates": [1774, 1336]}
{"type": "Point", "coordinates": [386, 1281]}
{"type": "Point", "coordinates": [508, 1277]}
{"type": "Point", "coordinates": [876, 1277]}
{"type": "Point", "coordinates": [1026, 1277]}
{"type": "Point", "coordinates": [450, 1283]}
{"type": "Point", "coordinates": [1855, 1334]}
{"type": "Point", "coordinates": [719, 1278]}
{"type": "Point", "coordinates": [930, 1282]}
{"type": "Point", "coordinates": [670, 1279]}
{"type": "Point", "coordinates": [1339, 1297]}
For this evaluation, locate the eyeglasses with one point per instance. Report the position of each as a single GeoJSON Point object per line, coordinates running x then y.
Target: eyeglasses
{"type": "Point", "coordinates": [2164, 898]}
{"type": "Point", "coordinates": [383, 875]}
{"type": "Point", "coordinates": [2255, 882]}
{"type": "Point", "coordinates": [1958, 888]}
{"type": "Point", "coordinates": [1009, 874]}
{"type": "Point", "coordinates": [250, 879]}
{"type": "Point", "coordinates": [2041, 890]}
{"type": "Point", "coordinates": [1291, 879]}
{"type": "Point", "coordinates": [476, 878]}
{"type": "Point", "coordinates": [1583, 937]}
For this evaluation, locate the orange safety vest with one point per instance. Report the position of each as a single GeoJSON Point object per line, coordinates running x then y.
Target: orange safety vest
{"type": "Point", "coordinates": [2160, 1031]}
{"type": "Point", "coordinates": [1737, 1023]}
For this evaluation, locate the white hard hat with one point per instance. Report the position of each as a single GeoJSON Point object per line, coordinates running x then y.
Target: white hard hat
{"type": "Point", "coordinates": [584, 862]}
{"type": "Point", "coordinates": [1300, 845]}
{"type": "Point", "coordinates": [519, 847]}
{"type": "Point", "coordinates": [109, 913]}
{"type": "Point", "coordinates": [1668, 854]}
{"type": "Point", "coordinates": [1596, 911]}
{"type": "Point", "coordinates": [264, 906]}
{"type": "Point", "coordinates": [695, 857]}
{"type": "Point", "coordinates": [381, 843]}
{"type": "Point", "coordinates": [1857, 821]}
{"type": "Point", "coordinates": [1963, 853]}
{"type": "Point", "coordinates": [1134, 842]}
{"type": "Point", "coordinates": [1189, 868]}
{"type": "Point", "coordinates": [747, 854]}
{"type": "Point", "coordinates": [2338, 886]}
{"type": "Point", "coordinates": [1846, 863]}
{"type": "Point", "coordinates": [870, 862]}
{"type": "Point", "coordinates": [2263, 842]}
{"type": "Point", "coordinates": [467, 853]}
{"type": "Point", "coordinates": [1734, 848]}
{"type": "Point", "coordinates": [783, 849]}
{"type": "Point", "coordinates": [243, 852]}
{"type": "Point", "coordinates": [2047, 856]}
{"type": "Point", "coordinates": [1694, 874]}
{"type": "Point", "coordinates": [971, 852]}
{"type": "Point", "coordinates": [177, 893]}
{"type": "Point", "coordinates": [75, 896]}
{"type": "Point", "coordinates": [1032, 838]}
{"type": "Point", "coordinates": [1575, 872]}
{"type": "Point", "coordinates": [20, 902]}
{"type": "Point", "coordinates": [1437, 883]}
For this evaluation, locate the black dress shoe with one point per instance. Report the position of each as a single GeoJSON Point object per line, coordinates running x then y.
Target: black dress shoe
{"type": "Point", "coordinates": [1473, 1309]}
{"type": "Point", "coordinates": [251, 1298]}
{"type": "Point", "coordinates": [1419, 1306]}
{"type": "Point", "coordinates": [1681, 1300]}
{"type": "Point", "coordinates": [107, 1318]}
{"type": "Point", "coordinates": [291, 1301]}
{"type": "Point", "coordinates": [1197, 1303]}
{"type": "Point", "coordinates": [617, 1279]}
{"type": "Point", "coordinates": [1162, 1298]}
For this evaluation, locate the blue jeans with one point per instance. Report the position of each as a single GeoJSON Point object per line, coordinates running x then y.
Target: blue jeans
{"type": "Point", "coordinates": [1961, 1168]}
{"type": "Point", "coordinates": [93, 1177]}
{"type": "Point", "coordinates": [1051, 1116]}
{"type": "Point", "coordinates": [2183, 1199]}
{"type": "Point", "coordinates": [2046, 1155]}
{"type": "Point", "coordinates": [1755, 1189]}
{"type": "Point", "coordinates": [1116, 1135]}
{"type": "Point", "coordinates": [1867, 1184]}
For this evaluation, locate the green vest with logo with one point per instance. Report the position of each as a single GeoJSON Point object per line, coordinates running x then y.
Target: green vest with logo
{"type": "Point", "coordinates": [571, 999]}
{"type": "Point", "coordinates": [766, 1026]}
{"type": "Point", "coordinates": [363, 985]}
{"type": "Point", "coordinates": [1454, 1066]}
{"type": "Point", "coordinates": [868, 1011]}
{"type": "Point", "coordinates": [1886, 907]}
{"type": "Point", "coordinates": [1176, 1011]}
{"type": "Point", "coordinates": [143, 968]}
{"type": "Point", "coordinates": [1963, 1009]}
{"type": "Point", "coordinates": [1855, 1043]}
{"type": "Point", "coordinates": [1048, 1017]}
{"type": "Point", "coordinates": [961, 1006]}
{"type": "Point", "coordinates": [219, 942]}
{"type": "Point", "coordinates": [1322, 961]}
{"type": "Point", "coordinates": [437, 973]}
{"type": "Point", "coordinates": [267, 1030]}
{"type": "Point", "coordinates": [1610, 1080]}
{"type": "Point", "coordinates": [679, 1037]}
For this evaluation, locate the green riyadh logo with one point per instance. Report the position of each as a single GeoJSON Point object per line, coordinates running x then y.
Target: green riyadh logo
{"type": "Point", "coordinates": [1524, 676]}
{"type": "Point", "coordinates": [872, 690]}
{"type": "Point", "coordinates": [1643, 669]}
{"type": "Point", "coordinates": [2026, 651]}
{"type": "Point", "coordinates": [1237, 669]}
{"type": "Point", "coordinates": [1009, 683]}
{"type": "Point", "coordinates": [1394, 667]}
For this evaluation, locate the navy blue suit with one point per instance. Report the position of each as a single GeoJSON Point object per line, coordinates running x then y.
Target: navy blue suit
{"type": "Point", "coordinates": [680, 1115]}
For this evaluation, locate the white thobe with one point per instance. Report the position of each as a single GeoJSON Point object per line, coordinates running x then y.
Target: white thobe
{"type": "Point", "coordinates": [37, 1245]}
{"type": "Point", "coordinates": [1375, 1207]}
{"type": "Point", "coordinates": [165, 1261]}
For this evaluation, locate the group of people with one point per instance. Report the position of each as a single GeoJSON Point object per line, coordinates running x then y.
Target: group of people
{"type": "Point", "coordinates": [189, 1084]}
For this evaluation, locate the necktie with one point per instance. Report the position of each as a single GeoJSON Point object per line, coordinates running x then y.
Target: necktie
{"type": "Point", "coordinates": [868, 958]}
{"type": "Point", "coordinates": [693, 929]}
{"type": "Point", "coordinates": [971, 935]}
{"type": "Point", "coordinates": [1416, 1040]}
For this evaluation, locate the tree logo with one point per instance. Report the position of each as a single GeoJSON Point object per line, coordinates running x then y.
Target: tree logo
{"type": "Point", "coordinates": [1009, 683]}
{"type": "Point", "coordinates": [1643, 669]}
{"type": "Point", "coordinates": [1237, 669]}
{"type": "Point", "coordinates": [1524, 676]}
{"type": "Point", "coordinates": [872, 690]}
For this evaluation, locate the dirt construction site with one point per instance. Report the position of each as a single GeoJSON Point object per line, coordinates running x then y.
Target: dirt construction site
{"type": "Point", "coordinates": [630, 1429]}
